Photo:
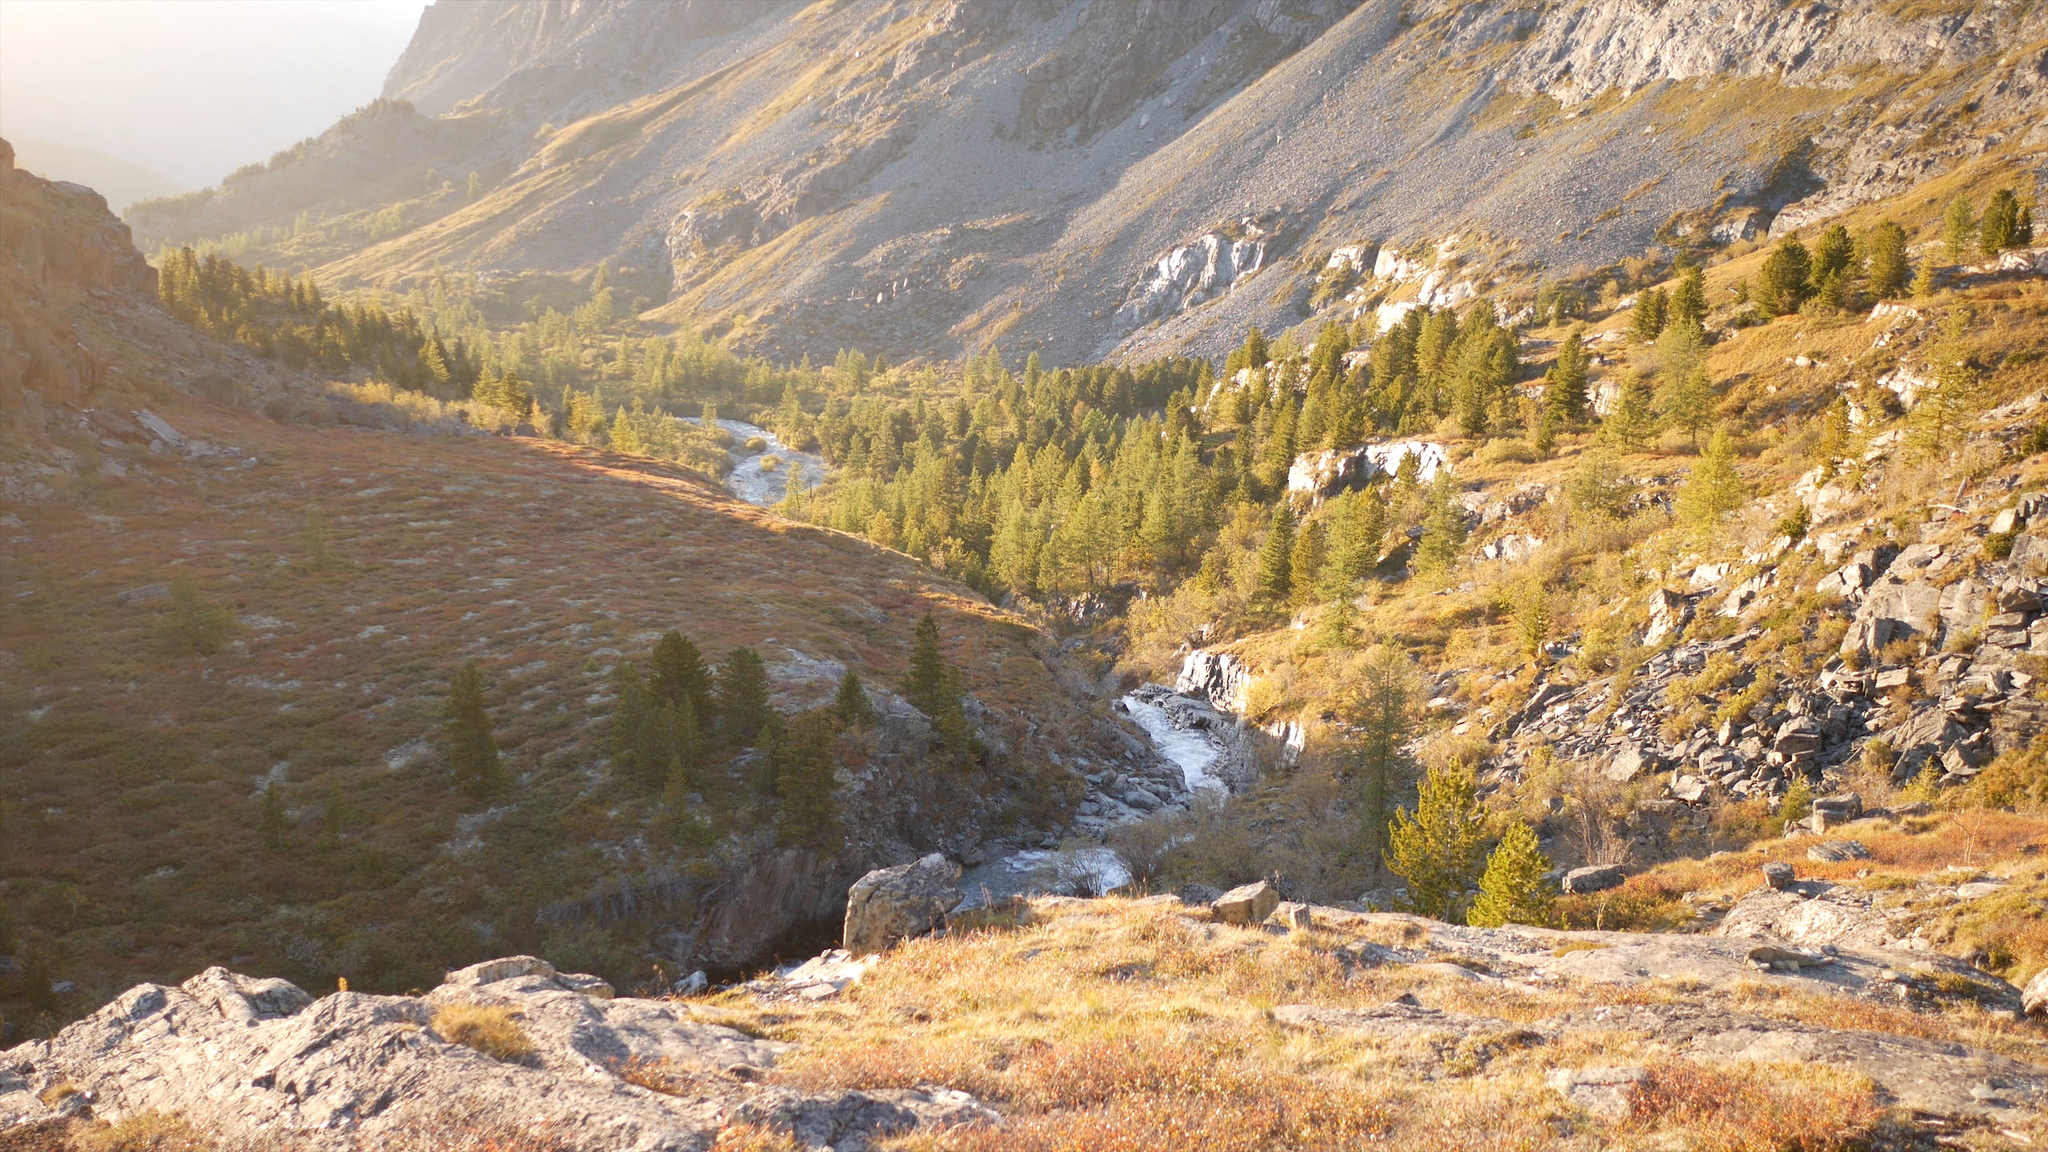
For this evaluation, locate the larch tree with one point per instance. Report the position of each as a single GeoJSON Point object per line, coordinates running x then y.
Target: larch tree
{"type": "Point", "coordinates": [1512, 890]}
{"type": "Point", "coordinates": [1379, 716]}
{"type": "Point", "coordinates": [1436, 847]}
{"type": "Point", "coordinates": [1713, 488]}
{"type": "Point", "coordinates": [1305, 564]}
{"type": "Point", "coordinates": [1565, 391]}
{"type": "Point", "coordinates": [1959, 231]}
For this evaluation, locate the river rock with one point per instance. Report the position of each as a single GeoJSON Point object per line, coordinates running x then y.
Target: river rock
{"type": "Point", "coordinates": [1248, 904]}
{"type": "Point", "coordinates": [891, 904]}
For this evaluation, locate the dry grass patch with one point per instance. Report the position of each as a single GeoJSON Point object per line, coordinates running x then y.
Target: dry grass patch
{"type": "Point", "coordinates": [491, 1029]}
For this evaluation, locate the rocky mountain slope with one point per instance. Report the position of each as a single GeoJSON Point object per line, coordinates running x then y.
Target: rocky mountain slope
{"type": "Point", "coordinates": [237, 596]}
{"type": "Point", "coordinates": [916, 177]}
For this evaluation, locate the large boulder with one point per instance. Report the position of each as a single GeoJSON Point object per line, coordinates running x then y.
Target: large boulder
{"type": "Point", "coordinates": [891, 904]}
{"type": "Point", "coordinates": [1247, 904]}
{"type": "Point", "coordinates": [1594, 878]}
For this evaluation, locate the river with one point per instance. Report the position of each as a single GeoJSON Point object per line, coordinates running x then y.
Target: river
{"type": "Point", "coordinates": [750, 482]}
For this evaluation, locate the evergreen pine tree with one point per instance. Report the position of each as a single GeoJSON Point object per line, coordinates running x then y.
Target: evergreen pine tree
{"type": "Point", "coordinates": [1361, 528]}
{"type": "Point", "coordinates": [1714, 487]}
{"type": "Point", "coordinates": [472, 751]}
{"type": "Point", "coordinates": [1958, 230]}
{"type": "Point", "coordinates": [1651, 312]}
{"type": "Point", "coordinates": [629, 717]}
{"type": "Point", "coordinates": [678, 673]}
{"type": "Point", "coordinates": [1832, 253]}
{"type": "Point", "coordinates": [1923, 279]}
{"type": "Point", "coordinates": [2000, 227]}
{"type": "Point", "coordinates": [1443, 527]}
{"type": "Point", "coordinates": [1305, 564]}
{"type": "Point", "coordinates": [1436, 848]}
{"type": "Point", "coordinates": [1565, 396]}
{"type": "Point", "coordinates": [1785, 281]}
{"type": "Point", "coordinates": [1377, 714]}
{"type": "Point", "coordinates": [1512, 890]}
{"type": "Point", "coordinates": [1689, 298]}
{"type": "Point", "coordinates": [852, 706]}
{"type": "Point", "coordinates": [1274, 585]}
{"type": "Point", "coordinates": [1884, 261]}
{"type": "Point", "coordinates": [925, 687]}
{"type": "Point", "coordinates": [804, 782]}
{"type": "Point", "coordinates": [742, 693]}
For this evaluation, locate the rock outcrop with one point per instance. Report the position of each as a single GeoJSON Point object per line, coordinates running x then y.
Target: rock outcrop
{"type": "Point", "coordinates": [891, 904]}
{"type": "Point", "coordinates": [248, 1057]}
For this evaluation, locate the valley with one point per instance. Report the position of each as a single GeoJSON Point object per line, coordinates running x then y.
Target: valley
{"type": "Point", "coordinates": [902, 576]}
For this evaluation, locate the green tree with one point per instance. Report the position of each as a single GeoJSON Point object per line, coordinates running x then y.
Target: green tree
{"type": "Point", "coordinates": [1689, 298]}
{"type": "Point", "coordinates": [1651, 312]}
{"type": "Point", "coordinates": [1443, 527]}
{"type": "Point", "coordinates": [1798, 802]}
{"type": "Point", "coordinates": [1512, 890]}
{"type": "Point", "coordinates": [1786, 279]}
{"type": "Point", "coordinates": [679, 674]}
{"type": "Point", "coordinates": [472, 751]}
{"type": "Point", "coordinates": [1305, 564]}
{"type": "Point", "coordinates": [1596, 485]}
{"type": "Point", "coordinates": [1630, 421]}
{"type": "Point", "coordinates": [1884, 261]}
{"type": "Point", "coordinates": [933, 688]}
{"type": "Point", "coordinates": [1943, 409]}
{"type": "Point", "coordinates": [805, 782]}
{"type": "Point", "coordinates": [1564, 395]}
{"type": "Point", "coordinates": [742, 691]}
{"type": "Point", "coordinates": [1714, 487]}
{"type": "Point", "coordinates": [1924, 284]}
{"type": "Point", "coordinates": [1274, 587]}
{"type": "Point", "coordinates": [851, 705]}
{"type": "Point", "coordinates": [1958, 230]}
{"type": "Point", "coordinates": [1436, 848]}
{"type": "Point", "coordinates": [1832, 253]}
{"type": "Point", "coordinates": [1361, 529]}
{"type": "Point", "coordinates": [1378, 716]}
{"type": "Point", "coordinates": [1999, 229]}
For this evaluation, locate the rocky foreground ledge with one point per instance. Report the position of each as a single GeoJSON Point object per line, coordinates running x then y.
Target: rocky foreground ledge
{"type": "Point", "coordinates": [263, 1059]}
{"type": "Point", "coordinates": [514, 1046]}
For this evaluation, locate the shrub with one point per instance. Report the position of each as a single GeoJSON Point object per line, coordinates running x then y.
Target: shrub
{"type": "Point", "coordinates": [491, 1029]}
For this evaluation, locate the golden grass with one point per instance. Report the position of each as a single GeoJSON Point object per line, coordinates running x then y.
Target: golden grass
{"type": "Point", "coordinates": [1109, 1025]}
{"type": "Point", "coordinates": [491, 1029]}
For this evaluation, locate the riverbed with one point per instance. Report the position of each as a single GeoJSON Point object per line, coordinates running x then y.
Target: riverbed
{"type": "Point", "coordinates": [764, 486]}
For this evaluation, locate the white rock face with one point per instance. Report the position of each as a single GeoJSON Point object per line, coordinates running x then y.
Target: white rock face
{"type": "Point", "coordinates": [1193, 273]}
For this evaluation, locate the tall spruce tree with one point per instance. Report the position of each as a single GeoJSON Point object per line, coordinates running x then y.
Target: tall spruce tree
{"type": "Point", "coordinates": [1305, 564]}
{"type": "Point", "coordinates": [851, 706]}
{"type": "Point", "coordinates": [1565, 392]}
{"type": "Point", "coordinates": [1378, 717]}
{"type": "Point", "coordinates": [742, 691]}
{"type": "Point", "coordinates": [1959, 230]}
{"type": "Point", "coordinates": [1274, 586]}
{"type": "Point", "coordinates": [1885, 266]}
{"type": "Point", "coordinates": [1443, 527]}
{"type": "Point", "coordinates": [472, 751]}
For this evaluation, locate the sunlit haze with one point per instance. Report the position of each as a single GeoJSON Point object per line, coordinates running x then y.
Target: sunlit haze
{"type": "Point", "coordinates": [190, 89]}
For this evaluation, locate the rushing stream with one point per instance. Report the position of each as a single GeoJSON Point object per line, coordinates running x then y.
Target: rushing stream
{"type": "Point", "coordinates": [765, 486]}
{"type": "Point", "coordinates": [1191, 748]}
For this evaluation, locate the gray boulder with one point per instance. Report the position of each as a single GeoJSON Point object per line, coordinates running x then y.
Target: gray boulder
{"type": "Point", "coordinates": [891, 904]}
{"type": "Point", "coordinates": [1778, 875]}
{"type": "Point", "coordinates": [1597, 878]}
{"type": "Point", "coordinates": [2035, 997]}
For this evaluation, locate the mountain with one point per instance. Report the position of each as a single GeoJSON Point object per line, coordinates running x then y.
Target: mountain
{"type": "Point", "coordinates": [121, 182]}
{"type": "Point", "coordinates": [918, 177]}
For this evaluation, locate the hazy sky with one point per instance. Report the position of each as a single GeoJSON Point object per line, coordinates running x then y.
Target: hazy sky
{"type": "Point", "coordinates": [192, 88]}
